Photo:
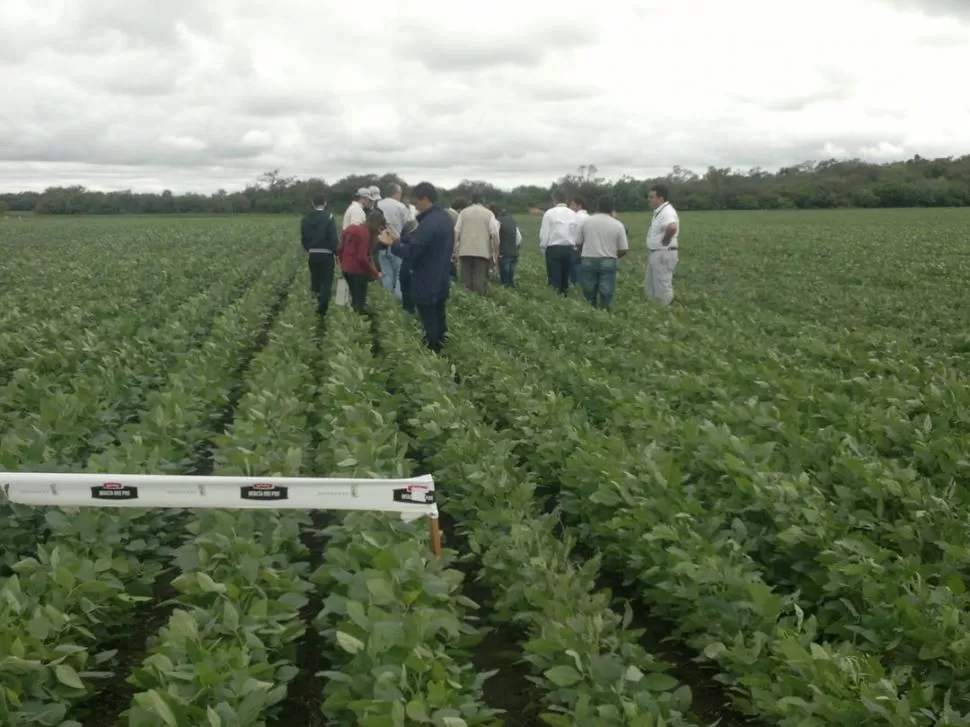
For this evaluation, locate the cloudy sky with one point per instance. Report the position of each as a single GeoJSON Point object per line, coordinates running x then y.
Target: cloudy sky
{"type": "Point", "coordinates": [203, 94]}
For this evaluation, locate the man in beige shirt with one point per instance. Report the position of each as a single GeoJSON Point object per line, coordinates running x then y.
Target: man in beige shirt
{"type": "Point", "coordinates": [602, 241]}
{"type": "Point", "coordinates": [476, 244]}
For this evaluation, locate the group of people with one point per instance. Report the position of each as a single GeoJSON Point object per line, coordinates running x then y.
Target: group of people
{"type": "Point", "coordinates": [586, 248]}
{"type": "Point", "coordinates": [416, 249]}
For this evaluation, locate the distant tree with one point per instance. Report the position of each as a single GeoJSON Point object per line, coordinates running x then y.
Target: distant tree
{"type": "Point", "coordinates": [830, 183]}
{"type": "Point", "coordinates": [4, 208]}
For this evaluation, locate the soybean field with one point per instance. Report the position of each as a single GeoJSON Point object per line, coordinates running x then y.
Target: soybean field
{"type": "Point", "coordinates": [751, 507]}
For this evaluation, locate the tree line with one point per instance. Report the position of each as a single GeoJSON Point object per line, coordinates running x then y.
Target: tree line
{"type": "Point", "coordinates": [916, 182]}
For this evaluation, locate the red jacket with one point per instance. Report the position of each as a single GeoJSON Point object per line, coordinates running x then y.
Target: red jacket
{"type": "Point", "coordinates": [354, 251]}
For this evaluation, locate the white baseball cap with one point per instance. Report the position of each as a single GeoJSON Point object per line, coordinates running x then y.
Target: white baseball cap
{"type": "Point", "coordinates": [363, 192]}
{"type": "Point", "coordinates": [374, 192]}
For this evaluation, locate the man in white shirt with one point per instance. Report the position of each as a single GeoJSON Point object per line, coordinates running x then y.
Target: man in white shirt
{"type": "Point", "coordinates": [398, 218]}
{"type": "Point", "coordinates": [356, 213]}
{"type": "Point", "coordinates": [577, 205]}
{"type": "Point", "coordinates": [662, 244]}
{"type": "Point", "coordinates": [557, 239]}
{"type": "Point", "coordinates": [602, 242]}
{"type": "Point", "coordinates": [476, 244]}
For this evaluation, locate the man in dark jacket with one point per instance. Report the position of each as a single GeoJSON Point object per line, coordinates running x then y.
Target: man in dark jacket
{"type": "Point", "coordinates": [318, 231]}
{"type": "Point", "coordinates": [427, 250]}
{"type": "Point", "coordinates": [509, 239]}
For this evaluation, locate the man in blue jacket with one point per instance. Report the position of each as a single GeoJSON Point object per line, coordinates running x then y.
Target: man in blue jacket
{"type": "Point", "coordinates": [427, 250]}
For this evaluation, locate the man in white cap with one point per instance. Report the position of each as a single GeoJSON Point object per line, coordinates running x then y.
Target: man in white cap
{"type": "Point", "coordinates": [356, 213]}
{"type": "Point", "coordinates": [399, 219]}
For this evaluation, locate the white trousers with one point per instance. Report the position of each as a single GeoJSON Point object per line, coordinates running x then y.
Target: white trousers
{"type": "Point", "coordinates": [659, 281]}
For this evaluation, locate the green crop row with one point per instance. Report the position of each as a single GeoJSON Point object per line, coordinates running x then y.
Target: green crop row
{"type": "Point", "coordinates": [877, 571]}
{"type": "Point", "coordinates": [95, 565]}
{"type": "Point", "coordinates": [121, 549]}
{"type": "Point", "coordinates": [399, 630]}
{"type": "Point", "coordinates": [584, 657]}
{"type": "Point", "coordinates": [686, 557]}
{"type": "Point", "coordinates": [226, 654]}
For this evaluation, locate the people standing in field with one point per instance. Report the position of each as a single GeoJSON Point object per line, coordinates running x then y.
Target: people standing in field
{"type": "Point", "coordinates": [577, 205]}
{"type": "Point", "coordinates": [356, 263]}
{"type": "Point", "coordinates": [509, 241]}
{"type": "Point", "coordinates": [557, 239]}
{"type": "Point", "coordinates": [398, 216]}
{"type": "Point", "coordinates": [356, 212]}
{"type": "Point", "coordinates": [602, 241]}
{"type": "Point", "coordinates": [476, 244]}
{"type": "Point", "coordinates": [662, 244]}
{"type": "Point", "coordinates": [318, 231]}
{"type": "Point", "coordinates": [428, 250]}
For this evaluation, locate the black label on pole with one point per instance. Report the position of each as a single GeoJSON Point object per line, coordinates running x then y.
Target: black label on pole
{"type": "Point", "coordinates": [417, 494]}
{"type": "Point", "coordinates": [263, 491]}
{"type": "Point", "coordinates": [114, 491]}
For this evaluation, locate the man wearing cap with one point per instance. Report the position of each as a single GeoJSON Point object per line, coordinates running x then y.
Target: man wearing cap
{"type": "Point", "coordinates": [356, 213]}
{"type": "Point", "coordinates": [398, 218]}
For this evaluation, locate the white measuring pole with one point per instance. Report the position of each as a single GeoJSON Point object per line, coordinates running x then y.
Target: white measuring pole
{"type": "Point", "coordinates": [411, 497]}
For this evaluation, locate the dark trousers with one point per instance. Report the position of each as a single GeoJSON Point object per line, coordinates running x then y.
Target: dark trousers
{"type": "Point", "coordinates": [558, 263]}
{"type": "Point", "coordinates": [321, 279]}
{"type": "Point", "coordinates": [575, 263]}
{"type": "Point", "coordinates": [433, 321]}
{"type": "Point", "coordinates": [407, 292]}
{"type": "Point", "coordinates": [357, 284]}
{"type": "Point", "coordinates": [474, 273]}
{"type": "Point", "coordinates": [506, 270]}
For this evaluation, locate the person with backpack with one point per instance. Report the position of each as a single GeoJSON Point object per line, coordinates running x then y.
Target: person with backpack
{"type": "Point", "coordinates": [318, 231]}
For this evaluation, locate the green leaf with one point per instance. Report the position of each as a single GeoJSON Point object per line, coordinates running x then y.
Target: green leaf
{"type": "Point", "coordinates": [231, 616]}
{"type": "Point", "coordinates": [214, 719]}
{"type": "Point", "coordinates": [381, 592]}
{"type": "Point", "coordinates": [563, 676]}
{"type": "Point", "coordinates": [348, 643]}
{"type": "Point", "coordinates": [633, 674]}
{"type": "Point", "coordinates": [357, 614]}
{"type": "Point", "coordinates": [153, 702]}
{"type": "Point", "coordinates": [416, 711]}
{"type": "Point", "coordinates": [68, 676]}
{"type": "Point", "coordinates": [659, 682]}
{"type": "Point", "coordinates": [208, 585]}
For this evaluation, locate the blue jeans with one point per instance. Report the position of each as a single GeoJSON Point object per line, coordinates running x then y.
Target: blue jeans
{"type": "Point", "coordinates": [506, 270]}
{"type": "Point", "coordinates": [390, 272]}
{"type": "Point", "coordinates": [599, 280]}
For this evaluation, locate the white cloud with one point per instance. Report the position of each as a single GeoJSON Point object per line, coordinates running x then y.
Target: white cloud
{"type": "Point", "coordinates": [196, 96]}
